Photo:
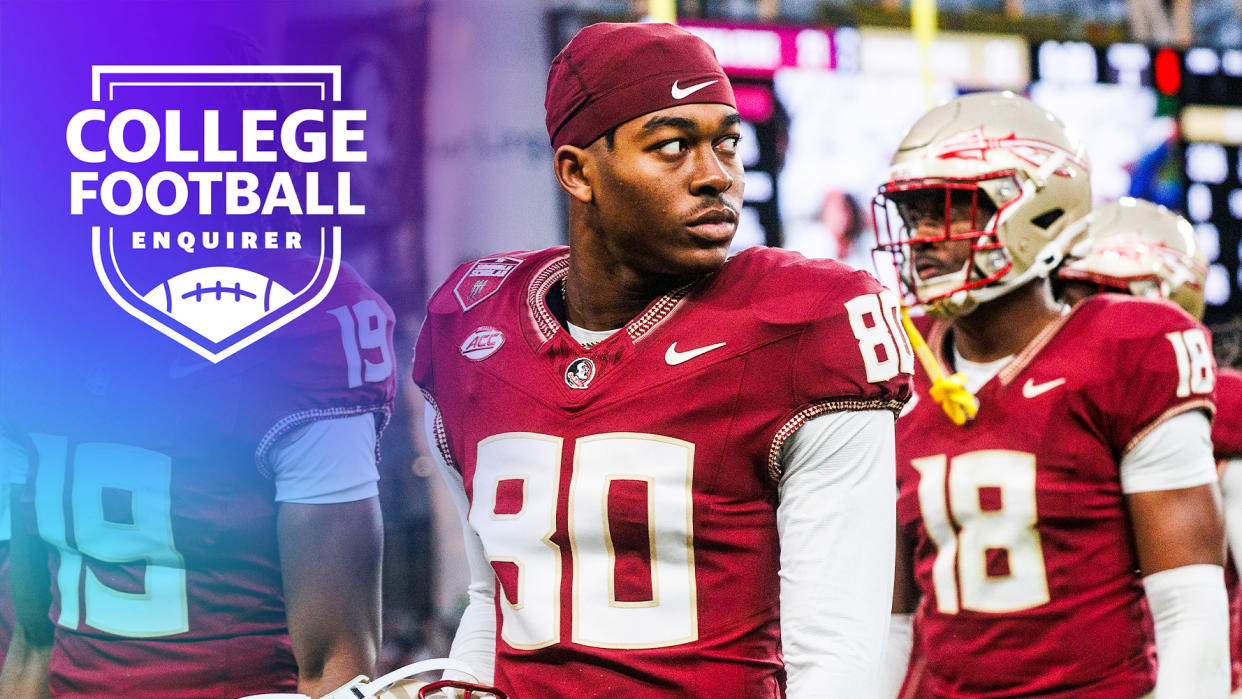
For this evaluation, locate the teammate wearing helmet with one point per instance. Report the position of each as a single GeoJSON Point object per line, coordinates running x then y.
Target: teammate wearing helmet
{"type": "Point", "coordinates": [1076, 475]}
{"type": "Point", "coordinates": [1135, 247]}
{"type": "Point", "coordinates": [1139, 248]}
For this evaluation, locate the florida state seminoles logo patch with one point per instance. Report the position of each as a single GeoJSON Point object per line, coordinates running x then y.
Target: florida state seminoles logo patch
{"type": "Point", "coordinates": [483, 280]}
{"type": "Point", "coordinates": [579, 373]}
{"type": "Point", "coordinates": [482, 343]}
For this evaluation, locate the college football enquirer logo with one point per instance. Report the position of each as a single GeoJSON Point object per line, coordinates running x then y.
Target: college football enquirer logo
{"type": "Point", "coordinates": [213, 194]}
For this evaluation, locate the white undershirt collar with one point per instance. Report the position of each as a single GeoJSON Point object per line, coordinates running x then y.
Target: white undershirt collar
{"type": "Point", "coordinates": [978, 373]}
{"type": "Point", "coordinates": [585, 337]}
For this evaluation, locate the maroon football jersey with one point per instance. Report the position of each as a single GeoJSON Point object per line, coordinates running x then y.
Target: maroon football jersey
{"type": "Point", "coordinates": [155, 496]}
{"type": "Point", "coordinates": [1227, 445]}
{"type": "Point", "coordinates": [7, 617]}
{"type": "Point", "coordinates": [916, 683]}
{"type": "Point", "coordinates": [1227, 427]}
{"type": "Point", "coordinates": [13, 474]}
{"type": "Point", "coordinates": [626, 494]}
{"type": "Point", "coordinates": [1022, 548]}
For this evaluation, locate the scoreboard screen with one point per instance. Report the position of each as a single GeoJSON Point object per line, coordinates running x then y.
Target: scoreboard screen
{"type": "Point", "coordinates": [1210, 97]}
{"type": "Point", "coordinates": [1105, 95]}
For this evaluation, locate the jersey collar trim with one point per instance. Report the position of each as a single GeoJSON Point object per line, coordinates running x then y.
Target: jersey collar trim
{"type": "Point", "coordinates": [939, 336]}
{"type": "Point", "coordinates": [556, 269]}
{"type": "Point", "coordinates": [1020, 362]}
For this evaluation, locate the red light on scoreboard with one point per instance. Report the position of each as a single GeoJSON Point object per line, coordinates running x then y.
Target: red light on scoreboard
{"type": "Point", "coordinates": [1168, 72]}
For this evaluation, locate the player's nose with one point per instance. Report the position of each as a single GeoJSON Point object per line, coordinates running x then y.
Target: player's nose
{"type": "Point", "coordinates": [929, 229]}
{"type": "Point", "coordinates": [711, 176]}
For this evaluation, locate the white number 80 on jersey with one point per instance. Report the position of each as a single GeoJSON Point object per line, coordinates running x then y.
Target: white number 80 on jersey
{"type": "Point", "coordinates": [876, 322]}
{"type": "Point", "coordinates": [523, 538]}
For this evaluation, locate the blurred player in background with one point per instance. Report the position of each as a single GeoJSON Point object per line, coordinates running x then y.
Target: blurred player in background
{"type": "Point", "coordinates": [674, 469]}
{"type": "Point", "coordinates": [13, 466]}
{"type": "Point", "coordinates": [1032, 529]}
{"type": "Point", "coordinates": [205, 530]}
{"type": "Point", "coordinates": [1139, 248]}
{"type": "Point", "coordinates": [1227, 442]}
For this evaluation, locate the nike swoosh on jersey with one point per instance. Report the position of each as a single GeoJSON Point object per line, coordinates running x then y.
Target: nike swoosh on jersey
{"type": "Point", "coordinates": [673, 357]}
{"type": "Point", "coordinates": [1030, 389]}
{"type": "Point", "coordinates": [683, 92]}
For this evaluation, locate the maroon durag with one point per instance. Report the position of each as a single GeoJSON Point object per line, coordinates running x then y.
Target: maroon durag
{"type": "Point", "coordinates": [611, 73]}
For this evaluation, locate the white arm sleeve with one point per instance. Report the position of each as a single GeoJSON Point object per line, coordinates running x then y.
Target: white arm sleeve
{"type": "Point", "coordinates": [1188, 604]}
{"type": "Point", "coordinates": [475, 641]}
{"type": "Point", "coordinates": [897, 655]}
{"type": "Point", "coordinates": [836, 521]}
{"type": "Point", "coordinates": [1231, 494]}
{"type": "Point", "coordinates": [327, 461]}
{"type": "Point", "coordinates": [1191, 614]}
{"type": "Point", "coordinates": [1176, 454]}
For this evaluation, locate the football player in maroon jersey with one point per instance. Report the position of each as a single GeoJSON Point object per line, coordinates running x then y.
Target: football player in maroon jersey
{"type": "Point", "coordinates": [191, 529]}
{"type": "Point", "coordinates": [1031, 533]}
{"type": "Point", "coordinates": [13, 465]}
{"type": "Point", "coordinates": [1143, 249]}
{"type": "Point", "coordinates": [1227, 443]}
{"type": "Point", "coordinates": [671, 464]}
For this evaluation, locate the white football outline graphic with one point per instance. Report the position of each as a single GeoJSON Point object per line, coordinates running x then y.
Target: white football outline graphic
{"type": "Point", "coordinates": [127, 297]}
{"type": "Point", "coordinates": [216, 302]}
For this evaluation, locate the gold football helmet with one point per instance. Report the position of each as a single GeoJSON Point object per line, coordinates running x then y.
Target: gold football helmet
{"type": "Point", "coordinates": [1143, 249]}
{"type": "Point", "coordinates": [1005, 164]}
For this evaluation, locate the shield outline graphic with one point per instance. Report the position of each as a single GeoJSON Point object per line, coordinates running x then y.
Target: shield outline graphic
{"type": "Point", "coordinates": [132, 302]}
{"type": "Point", "coordinates": [326, 79]}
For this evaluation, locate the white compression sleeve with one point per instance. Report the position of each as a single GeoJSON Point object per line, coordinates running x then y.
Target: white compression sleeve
{"type": "Point", "coordinates": [1191, 614]}
{"type": "Point", "coordinates": [836, 522]}
{"type": "Point", "coordinates": [897, 654]}
{"type": "Point", "coordinates": [475, 641]}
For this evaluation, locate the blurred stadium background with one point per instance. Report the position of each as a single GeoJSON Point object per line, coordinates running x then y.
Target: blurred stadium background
{"type": "Point", "coordinates": [454, 90]}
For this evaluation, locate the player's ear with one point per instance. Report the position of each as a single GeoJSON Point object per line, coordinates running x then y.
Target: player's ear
{"type": "Point", "coordinates": [575, 170]}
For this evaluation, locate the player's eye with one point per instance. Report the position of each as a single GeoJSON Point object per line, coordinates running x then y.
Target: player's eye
{"type": "Point", "coordinates": [910, 214]}
{"type": "Point", "coordinates": [672, 147]}
{"type": "Point", "coordinates": [728, 144]}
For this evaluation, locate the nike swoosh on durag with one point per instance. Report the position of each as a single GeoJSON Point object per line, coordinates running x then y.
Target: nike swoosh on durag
{"type": "Point", "coordinates": [683, 92]}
